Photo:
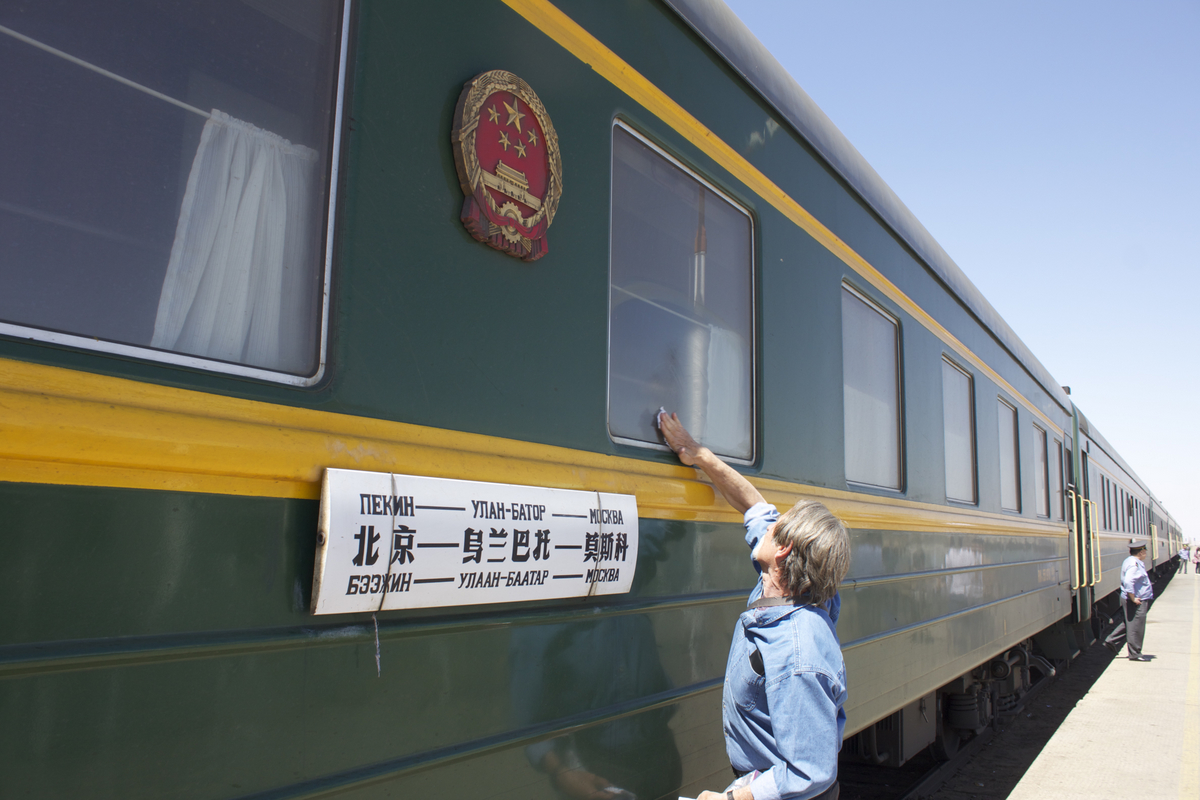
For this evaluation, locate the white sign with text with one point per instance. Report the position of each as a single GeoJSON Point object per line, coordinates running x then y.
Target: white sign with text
{"type": "Point", "coordinates": [390, 541]}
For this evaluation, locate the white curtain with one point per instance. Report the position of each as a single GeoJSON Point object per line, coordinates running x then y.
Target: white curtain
{"type": "Point", "coordinates": [241, 281]}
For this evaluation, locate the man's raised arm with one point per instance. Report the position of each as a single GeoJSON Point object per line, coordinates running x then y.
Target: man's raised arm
{"type": "Point", "coordinates": [736, 490]}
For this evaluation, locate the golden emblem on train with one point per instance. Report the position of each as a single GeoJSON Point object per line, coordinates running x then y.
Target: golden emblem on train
{"type": "Point", "coordinates": [509, 167]}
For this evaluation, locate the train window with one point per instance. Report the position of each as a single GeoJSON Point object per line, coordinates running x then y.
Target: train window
{"type": "Point", "coordinates": [1056, 479]}
{"type": "Point", "coordinates": [167, 178]}
{"type": "Point", "coordinates": [681, 312]}
{"type": "Point", "coordinates": [1041, 473]}
{"type": "Point", "coordinates": [1010, 467]}
{"type": "Point", "coordinates": [871, 392]}
{"type": "Point", "coordinates": [1114, 514]}
{"type": "Point", "coordinates": [958, 415]}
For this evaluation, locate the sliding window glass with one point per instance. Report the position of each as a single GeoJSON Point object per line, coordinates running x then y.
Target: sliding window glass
{"type": "Point", "coordinates": [958, 415]}
{"type": "Point", "coordinates": [1111, 495]}
{"type": "Point", "coordinates": [1041, 473]}
{"type": "Point", "coordinates": [1056, 479]}
{"type": "Point", "coordinates": [871, 392]}
{"type": "Point", "coordinates": [1010, 467]}
{"type": "Point", "coordinates": [681, 313]}
{"type": "Point", "coordinates": [166, 178]}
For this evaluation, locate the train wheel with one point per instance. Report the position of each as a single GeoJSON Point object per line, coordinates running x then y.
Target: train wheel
{"type": "Point", "coordinates": [946, 741]}
{"type": "Point", "coordinates": [945, 745]}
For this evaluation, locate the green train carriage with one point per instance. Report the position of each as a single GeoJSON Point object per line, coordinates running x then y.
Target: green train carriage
{"type": "Point", "coordinates": [717, 246]}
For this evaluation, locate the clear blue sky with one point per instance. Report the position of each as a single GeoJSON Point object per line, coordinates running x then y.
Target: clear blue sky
{"type": "Point", "coordinates": [1051, 148]}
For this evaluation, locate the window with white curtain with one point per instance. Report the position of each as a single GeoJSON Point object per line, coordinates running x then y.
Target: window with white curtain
{"type": "Point", "coordinates": [166, 178]}
{"type": "Point", "coordinates": [681, 312]}
{"type": "Point", "coordinates": [870, 392]}
{"type": "Point", "coordinates": [958, 417]}
{"type": "Point", "coordinates": [1010, 465]}
{"type": "Point", "coordinates": [1041, 473]}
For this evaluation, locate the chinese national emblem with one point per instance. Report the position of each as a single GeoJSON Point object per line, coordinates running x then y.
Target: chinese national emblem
{"type": "Point", "coordinates": [506, 152]}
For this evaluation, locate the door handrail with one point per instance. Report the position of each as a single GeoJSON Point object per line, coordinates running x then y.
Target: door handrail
{"type": "Point", "coordinates": [1097, 562]}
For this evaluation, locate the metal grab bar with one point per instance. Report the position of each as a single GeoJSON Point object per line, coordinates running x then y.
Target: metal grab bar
{"type": "Point", "coordinates": [1096, 560]}
{"type": "Point", "coordinates": [1089, 578]}
{"type": "Point", "coordinates": [1076, 575]}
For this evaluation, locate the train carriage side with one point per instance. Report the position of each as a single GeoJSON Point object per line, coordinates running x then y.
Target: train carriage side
{"type": "Point", "coordinates": [1125, 510]}
{"type": "Point", "coordinates": [161, 511]}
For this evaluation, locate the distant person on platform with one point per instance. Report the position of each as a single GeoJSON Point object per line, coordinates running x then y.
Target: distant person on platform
{"type": "Point", "coordinates": [1196, 557]}
{"type": "Point", "coordinates": [1185, 556]}
{"type": "Point", "coordinates": [785, 681]}
{"type": "Point", "coordinates": [1136, 594]}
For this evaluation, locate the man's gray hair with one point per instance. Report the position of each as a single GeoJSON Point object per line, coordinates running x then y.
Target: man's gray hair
{"type": "Point", "coordinates": [820, 556]}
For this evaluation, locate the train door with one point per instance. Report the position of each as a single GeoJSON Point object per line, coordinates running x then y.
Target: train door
{"type": "Point", "coordinates": [1084, 537]}
{"type": "Point", "coordinates": [1091, 529]}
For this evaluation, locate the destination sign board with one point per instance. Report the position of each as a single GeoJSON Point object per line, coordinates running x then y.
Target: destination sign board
{"type": "Point", "coordinates": [388, 541]}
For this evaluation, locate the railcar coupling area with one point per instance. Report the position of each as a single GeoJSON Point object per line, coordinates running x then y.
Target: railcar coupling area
{"type": "Point", "coordinates": [1136, 733]}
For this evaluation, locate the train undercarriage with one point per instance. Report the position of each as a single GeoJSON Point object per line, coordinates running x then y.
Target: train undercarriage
{"type": "Point", "coordinates": [988, 695]}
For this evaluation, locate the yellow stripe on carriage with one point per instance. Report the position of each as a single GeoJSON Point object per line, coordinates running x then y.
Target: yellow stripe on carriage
{"type": "Point", "coordinates": [59, 426]}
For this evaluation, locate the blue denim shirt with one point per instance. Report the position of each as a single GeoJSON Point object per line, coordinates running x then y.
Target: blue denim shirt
{"type": "Point", "coordinates": [787, 723]}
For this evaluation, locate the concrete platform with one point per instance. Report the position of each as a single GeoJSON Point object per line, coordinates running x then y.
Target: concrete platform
{"type": "Point", "coordinates": [1136, 733]}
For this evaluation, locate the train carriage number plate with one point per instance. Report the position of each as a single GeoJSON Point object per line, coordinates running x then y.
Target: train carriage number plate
{"type": "Point", "coordinates": [390, 541]}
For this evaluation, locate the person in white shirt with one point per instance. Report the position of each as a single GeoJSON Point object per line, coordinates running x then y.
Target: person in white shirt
{"type": "Point", "coordinates": [1136, 594]}
{"type": "Point", "coordinates": [1185, 557]}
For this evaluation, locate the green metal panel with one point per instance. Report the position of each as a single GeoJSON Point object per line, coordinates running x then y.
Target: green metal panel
{"type": "Point", "coordinates": [158, 643]}
{"type": "Point", "coordinates": [172, 652]}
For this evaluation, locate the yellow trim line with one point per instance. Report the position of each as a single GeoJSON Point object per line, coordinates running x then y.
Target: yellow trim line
{"type": "Point", "coordinates": [591, 51]}
{"type": "Point", "coordinates": [59, 426]}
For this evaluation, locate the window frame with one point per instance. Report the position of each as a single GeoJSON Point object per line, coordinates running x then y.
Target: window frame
{"type": "Point", "coordinates": [1041, 447]}
{"type": "Point", "coordinates": [1103, 502]}
{"type": "Point", "coordinates": [212, 365]}
{"type": "Point", "coordinates": [699, 177]}
{"type": "Point", "coordinates": [901, 443]}
{"type": "Point", "coordinates": [1016, 444]}
{"type": "Point", "coordinates": [946, 360]}
{"type": "Point", "coordinates": [1059, 479]}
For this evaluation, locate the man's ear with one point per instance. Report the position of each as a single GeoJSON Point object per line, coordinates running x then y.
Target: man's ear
{"type": "Point", "coordinates": [782, 553]}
